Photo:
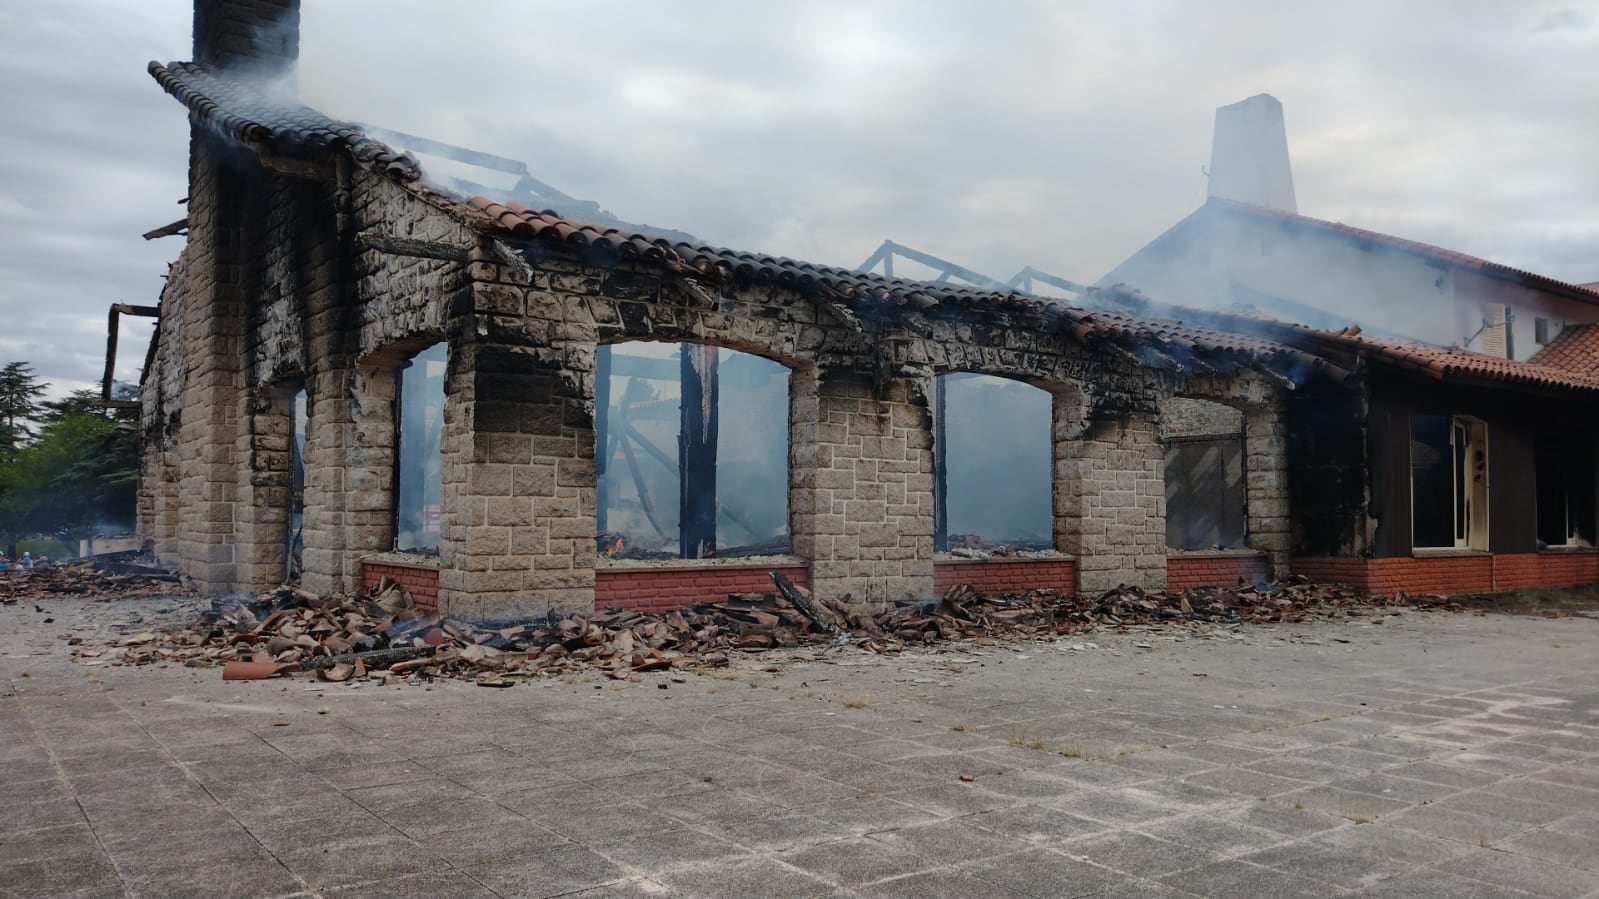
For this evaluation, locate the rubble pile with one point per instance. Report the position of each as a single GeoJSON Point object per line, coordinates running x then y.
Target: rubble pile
{"type": "Point", "coordinates": [89, 580]}
{"type": "Point", "coordinates": [345, 637]}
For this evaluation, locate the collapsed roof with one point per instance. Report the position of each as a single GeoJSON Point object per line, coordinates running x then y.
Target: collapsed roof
{"type": "Point", "coordinates": [267, 119]}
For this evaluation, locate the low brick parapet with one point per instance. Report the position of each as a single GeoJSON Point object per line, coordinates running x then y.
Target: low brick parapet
{"type": "Point", "coordinates": [1007, 574]}
{"type": "Point", "coordinates": [662, 588]}
{"type": "Point", "coordinates": [419, 580]}
{"type": "Point", "coordinates": [1222, 568]}
{"type": "Point", "coordinates": [1457, 572]}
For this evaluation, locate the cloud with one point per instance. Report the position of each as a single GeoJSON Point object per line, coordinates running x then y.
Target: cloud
{"type": "Point", "coordinates": [1063, 136]}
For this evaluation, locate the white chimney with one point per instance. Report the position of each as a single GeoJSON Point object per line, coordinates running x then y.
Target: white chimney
{"type": "Point", "coordinates": [1249, 155]}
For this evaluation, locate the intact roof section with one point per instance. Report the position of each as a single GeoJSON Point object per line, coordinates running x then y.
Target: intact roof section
{"type": "Point", "coordinates": [1161, 344]}
{"type": "Point", "coordinates": [1583, 292]}
{"type": "Point", "coordinates": [1436, 362]}
{"type": "Point", "coordinates": [1574, 349]}
{"type": "Point", "coordinates": [264, 116]}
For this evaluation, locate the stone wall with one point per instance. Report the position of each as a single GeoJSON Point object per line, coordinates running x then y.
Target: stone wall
{"type": "Point", "coordinates": [1184, 416]}
{"type": "Point", "coordinates": [1115, 504]}
{"type": "Point", "coordinates": [861, 486]}
{"type": "Point", "coordinates": [337, 277]}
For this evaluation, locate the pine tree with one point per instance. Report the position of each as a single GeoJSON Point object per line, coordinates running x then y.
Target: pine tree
{"type": "Point", "coordinates": [20, 397]}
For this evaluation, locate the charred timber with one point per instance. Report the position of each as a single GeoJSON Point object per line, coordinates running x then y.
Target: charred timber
{"type": "Point", "coordinates": [697, 452]}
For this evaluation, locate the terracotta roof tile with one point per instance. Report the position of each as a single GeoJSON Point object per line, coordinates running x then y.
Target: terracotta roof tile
{"type": "Point", "coordinates": [1440, 363]}
{"type": "Point", "coordinates": [261, 118]}
{"type": "Point", "coordinates": [1574, 349]}
{"type": "Point", "coordinates": [1586, 292]}
{"type": "Point", "coordinates": [1448, 362]}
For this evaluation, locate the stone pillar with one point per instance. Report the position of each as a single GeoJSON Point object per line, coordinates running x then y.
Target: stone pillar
{"type": "Point", "coordinates": [518, 482]}
{"type": "Point", "coordinates": [262, 513]}
{"type": "Point", "coordinates": [1111, 508]}
{"type": "Point", "coordinates": [327, 431]}
{"type": "Point", "coordinates": [370, 459]}
{"type": "Point", "coordinates": [213, 397]}
{"type": "Point", "coordinates": [861, 486]}
{"type": "Point", "coordinates": [1266, 485]}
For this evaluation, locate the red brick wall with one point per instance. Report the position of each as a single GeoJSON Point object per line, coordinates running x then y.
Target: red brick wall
{"type": "Point", "coordinates": [1465, 573]}
{"type": "Point", "coordinates": [422, 583]}
{"type": "Point", "coordinates": [1333, 570]}
{"type": "Point", "coordinates": [1188, 571]}
{"type": "Point", "coordinates": [1006, 575]}
{"type": "Point", "coordinates": [663, 589]}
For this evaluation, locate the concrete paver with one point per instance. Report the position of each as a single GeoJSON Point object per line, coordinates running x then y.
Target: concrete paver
{"type": "Point", "coordinates": [1429, 755]}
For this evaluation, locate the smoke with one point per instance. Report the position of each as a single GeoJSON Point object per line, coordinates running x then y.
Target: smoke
{"type": "Point", "coordinates": [989, 137]}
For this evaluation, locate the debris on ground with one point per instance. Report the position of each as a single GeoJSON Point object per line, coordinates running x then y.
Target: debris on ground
{"type": "Point", "coordinates": [380, 634]}
{"type": "Point", "coordinates": [101, 578]}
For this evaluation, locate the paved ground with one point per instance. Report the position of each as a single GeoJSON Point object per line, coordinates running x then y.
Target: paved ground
{"type": "Point", "coordinates": [1430, 755]}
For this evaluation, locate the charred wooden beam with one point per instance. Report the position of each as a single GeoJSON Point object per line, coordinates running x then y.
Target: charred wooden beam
{"type": "Point", "coordinates": [113, 323]}
{"type": "Point", "coordinates": [181, 226]}
{"type": "Point", "coordinates": [696, 458]}
{"type": "Point", "coordinates": [602, 431]}
{"type": "Point", "coordinates": [404, 246]}
{"type": "Point", "coordinates": [940, 469]}
{"type": "Point", "coordinates": [308, 169]}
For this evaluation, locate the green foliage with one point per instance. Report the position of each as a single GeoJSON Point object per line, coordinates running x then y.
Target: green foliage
{"type": "Point", "coordinates": [80, 468]}
{"type": "Point", "coordinates": [55, 548]}
{"type": "Point", "coordinates": [20, 393]}
{"type": "Point", "coordinates": [78, 402]}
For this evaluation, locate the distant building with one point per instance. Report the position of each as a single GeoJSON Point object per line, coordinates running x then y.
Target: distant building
{"type": "Point", "coordinates": [1248, 247]}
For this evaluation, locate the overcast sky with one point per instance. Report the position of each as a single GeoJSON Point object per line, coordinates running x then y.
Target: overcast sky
{"type": "Point", "coordinates": [995, 134]}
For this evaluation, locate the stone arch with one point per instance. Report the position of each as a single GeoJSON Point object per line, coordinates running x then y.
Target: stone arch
{"type": "Point", "coordinates": [780, 340]}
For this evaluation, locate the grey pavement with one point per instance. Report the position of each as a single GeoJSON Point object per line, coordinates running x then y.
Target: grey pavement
{"type": "Point", "coordinates": [1423, 754]}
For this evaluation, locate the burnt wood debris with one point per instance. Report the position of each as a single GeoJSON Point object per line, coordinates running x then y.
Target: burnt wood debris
{"type": "Point", "coordinates": [381, 635]}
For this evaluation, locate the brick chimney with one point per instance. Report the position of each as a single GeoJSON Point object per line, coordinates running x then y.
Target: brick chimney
{"type": "Point", "coordinates": [1249, 155]}
{"type": "Point", "coordinates": [257, 37]}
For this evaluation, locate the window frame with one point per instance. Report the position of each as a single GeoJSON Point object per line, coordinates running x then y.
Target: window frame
{"type": "Point", "coordinates": [1470, 484]}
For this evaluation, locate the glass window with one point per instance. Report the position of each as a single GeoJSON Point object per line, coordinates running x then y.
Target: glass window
{"type": "Point", "coordinates": [421, 429]}
{"type": "Point", "coordinates": [1448, 482]}
{"type": "Point", "coordinates": [1206, 501]}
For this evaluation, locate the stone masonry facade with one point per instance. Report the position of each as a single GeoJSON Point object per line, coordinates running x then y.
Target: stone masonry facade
{"type": "Point", "coordinates": [324, 271]}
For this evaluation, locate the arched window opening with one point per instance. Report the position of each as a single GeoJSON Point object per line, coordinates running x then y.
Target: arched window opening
{"type": "Point", "coordinates": [992, 465]}
{"type": "Point", "coordinates": [420, 427]}
{"type": "Point", "coordinates": [1206, 503]}
{"type": "Point", "coordinates": [691, 453]}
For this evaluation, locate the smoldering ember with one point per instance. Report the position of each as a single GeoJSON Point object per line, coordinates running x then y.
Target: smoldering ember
{"type": "Point", "coordinates": [1185, 582]}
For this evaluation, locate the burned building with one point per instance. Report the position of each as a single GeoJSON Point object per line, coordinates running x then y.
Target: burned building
{"type": "Point", "coordinates": [357, 374]}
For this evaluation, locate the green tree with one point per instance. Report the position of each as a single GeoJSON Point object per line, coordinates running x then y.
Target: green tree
{"type": "Point", "coordinates": [20, 394]}
{"type": "Point", "coordinates": [82, 469]}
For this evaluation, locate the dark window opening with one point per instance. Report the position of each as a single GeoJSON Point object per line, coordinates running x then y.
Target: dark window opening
{"type": "Point", "coordinates": [1564, 476]}
{"type": "Point", "coordinates": [1205, 501]}
{"type": "Point", "coordinates": [1540, 331]}
{"type": "Point", "coordinates": [992, 449]}
{"type": "Point", "coordinates": [691, 453]}
{"type": "Point", "coordinates": [1206, 496]}
{"type": "Point", "coordinates": [421, 431]}
{"type": "Point", "coordinates": [1448, 482]}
